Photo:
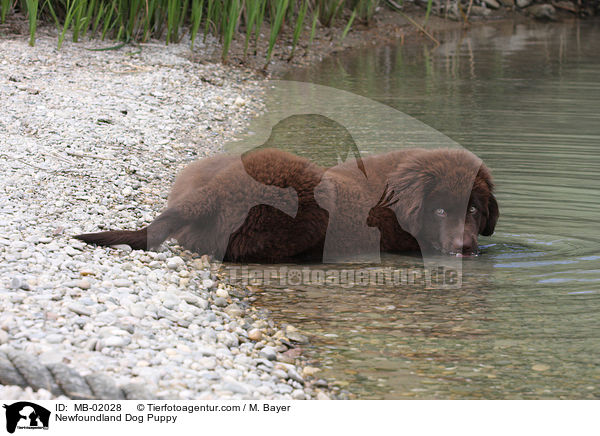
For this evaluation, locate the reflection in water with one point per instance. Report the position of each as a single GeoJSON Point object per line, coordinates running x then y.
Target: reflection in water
{"type": "Point", "coordinates": [525, 324]}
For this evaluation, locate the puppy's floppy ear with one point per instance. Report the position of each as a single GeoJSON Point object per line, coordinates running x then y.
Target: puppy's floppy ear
{"type": "Point", "coordinates": [485, 186]}
{"type": "Point", "coordinates": [492, 216]}
{"type": "Point", "coordinates": [409, 182]}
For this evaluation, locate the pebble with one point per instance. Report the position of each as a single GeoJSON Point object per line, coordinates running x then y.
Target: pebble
{"type": "Point", "coordinates": [147, 316]}
{"type": "Point", "coordinates": [84, 284]}
{"type": "Point", "coordinates": [279, 373]}
{"type": "Point", "coordinates": [492, 4]}
{"type": "Point", "coordinates": [264, 390]}
{"type": "Point", "coordinates": [122, 283]}
{"type": "Point", "coordinates": [122, 247]}
{"type": "Point", "coordinates": [138, 310]}
{"type": "Point", "coordinates": [310, 371]}
{"type": "Point", "coordinates": [19, 245]}
{"type": "Point", "coordinates": [540, 367]}
{"type": "Point", "coordinates": [175, 263]}
{"type": "Point", "coordinates": [298, 394]}
{"type": "Point", "coordinates": [228, 339]}
{"type": "Point", "coordinates": [171, 302]}
{"type": "Point", "coordinates": [235, 387]}
{"type": "Point", "coordinates": [542, 12]}
{"type": "Point", "coordinates": [116, 341]}
{"type": "Point", "coordinates": [255, 335]}
{"type": "Point", "coordinates": [322, 396]}
{"type": "Point", "coordinates": [79, 309]}
{"type": "Point", "coordinates": [222, 293]}
{"type": "Point", "coordinates": [268, 353]}
{"type": "Point", "coordinates": [297, 337]}
{"type": "Point", "coordinates": [292, 374]}
{"type": "Point", "coordinates": [221, 302]}
{"type": "Point", "coordinates": [233, 310]}
{"type": "Point", "coordinates": [106, 318]}
{"type": "Point", "coordinates": [54, 338]}
{"type": "Point", "coordinates": [284, 389]}
{"type": "Point", "coordinates": [51, 357]}
{"type": "Point", "coordinates": [18, 283]}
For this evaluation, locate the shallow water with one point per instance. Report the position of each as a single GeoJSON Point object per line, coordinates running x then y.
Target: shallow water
{"type": "Point", "coordinates": [526, 321]}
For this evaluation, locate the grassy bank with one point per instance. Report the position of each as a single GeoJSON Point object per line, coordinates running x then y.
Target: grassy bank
{"type": "Point", "coordinates": [140, 20]}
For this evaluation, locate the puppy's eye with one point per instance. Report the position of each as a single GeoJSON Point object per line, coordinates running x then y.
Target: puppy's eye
{"type": "Point", "coordinates": [440, 212]}
{"type": "Point", "coordinates": [472, 209]}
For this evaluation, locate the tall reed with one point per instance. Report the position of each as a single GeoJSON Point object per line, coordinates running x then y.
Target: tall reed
{"type": "Point", "coordinates": [276, 23]}
{"type": "Point", "coordinates": [140, 20]}
{"type": "Point", "coordinates": [365, 9]}
{"type": "Point", "coordinates": [350, 21]}
{"type": "Point", "coordinates": [4, 8]}
{"type": "Point", "coordinates": [298, 27]}
{"type": "Point", "coordinates": [329, 10]}
{"type": "Point", "coordinates": [196, 18]}
{"type": "Point", "coordinates": [230, 25]}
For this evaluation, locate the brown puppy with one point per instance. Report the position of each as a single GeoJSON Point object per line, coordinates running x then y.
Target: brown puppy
{"type": "Point", "coordinates": [272, 206]}
{"type": "Point", "coordinates": [443, 198]}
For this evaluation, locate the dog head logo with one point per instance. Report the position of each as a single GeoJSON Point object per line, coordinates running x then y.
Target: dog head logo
{"type": "Point", "coordinates": [26, 415]}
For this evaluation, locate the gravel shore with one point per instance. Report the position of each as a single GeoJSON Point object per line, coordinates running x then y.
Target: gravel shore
{"type": "Point", "coordinates": [92, 140]}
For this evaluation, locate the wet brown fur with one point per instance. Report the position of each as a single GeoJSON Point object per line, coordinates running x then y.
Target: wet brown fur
{"type": "Point", "coordinates": [272, 206]}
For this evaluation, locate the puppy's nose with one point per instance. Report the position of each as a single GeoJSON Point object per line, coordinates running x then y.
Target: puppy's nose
{"type": "Point", "coordinates": [463, 244]}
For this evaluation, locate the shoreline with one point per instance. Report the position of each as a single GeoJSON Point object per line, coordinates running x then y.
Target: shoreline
{"type": "Point", "coordinates": [94, 140]}
{"type": "Point", "coordinates": [388, 27]}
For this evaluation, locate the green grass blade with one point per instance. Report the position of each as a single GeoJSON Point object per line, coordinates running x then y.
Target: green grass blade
{"type": "Point", "coordinates": [328, 11]}
{"type": "Point", "coordinates": [4, 8]}
{"type": "Point", "coordinates": [133, 7]}
{"type": "Point", "coordinates": [230, 26]}
{"type": "Point", "coordinates": [79, 19]}
{"type": "Point", "coordinates": [251, 11]}
{"type": "Point", "coordinates": [428, 11]}
{"type": "Point", "coordinates": [276, 24]}
{"type": "Point", "coordinates": [99, 15]}
{"type": "Point", "coordinates": [182, 14]}
{"type": "Point", "coordinates": [347, 28]}
{"type": "Point", "coordinates": [172, 20]}
{"type": "Point", "coordinates": [109, 23]}
{"type": "Point", "coordinates": [366, 9]}
{"type": "Point", "coordinates": [89, 14]}
{"type": "Point", "coordinates": [197, 8]}
{"type": "Point", "coordinates": [298, 28]}
{"type": "Point", "coordinates": [313, 29]}
{"type": "Point", "coordinates": [260, 19]}
{"type": "Point", "coordinates": [209, 16]}
{"type": "Point", "coordinates": [72, 6]}
{"type": "Point", "coordinates": [147, 21]}
{"type": "Point", "coordinates": [32, 12]}
{"type": "Point", "coordinates": [48, 6]}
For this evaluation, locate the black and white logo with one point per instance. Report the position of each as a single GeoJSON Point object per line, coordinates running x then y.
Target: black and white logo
{"type": "Point", "coordinates": [26, 415]}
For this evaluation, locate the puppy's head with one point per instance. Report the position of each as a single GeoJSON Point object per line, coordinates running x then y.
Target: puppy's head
{"type": "Point", "coordinates": [445, 200]}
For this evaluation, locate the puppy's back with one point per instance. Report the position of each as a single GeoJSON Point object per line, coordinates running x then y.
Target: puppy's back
{"type": "Point", "coordinates": [198, 174]}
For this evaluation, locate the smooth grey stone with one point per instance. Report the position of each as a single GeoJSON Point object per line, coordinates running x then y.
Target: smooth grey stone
{"type": "Point", "coordinates": [268, 353]}
{"type": "Point", "coordinates": [235, 387]}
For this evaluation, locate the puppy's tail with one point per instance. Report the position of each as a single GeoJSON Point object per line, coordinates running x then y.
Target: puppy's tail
{"type": "Point", "coordinates": [146, 238]}
{"type": "Point", "coordinates": [136, 239]}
